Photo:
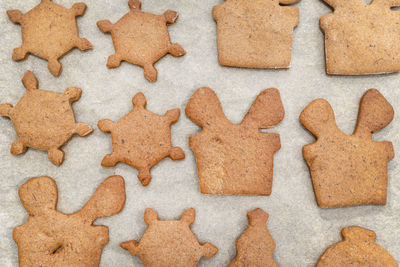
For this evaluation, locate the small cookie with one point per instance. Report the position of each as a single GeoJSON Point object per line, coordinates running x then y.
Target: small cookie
{"type": "Point", "coordinates": [141, 138]}
{"type": "Point", "coordinates": [346, 169]}
{"type": "Point", "coordinates": [44, 120]}
{"type": "Point", "coordinates": [255, 247]}
{"type": "Point", "coordinates": [169, 243]}
{"type": "Point", "coordinates": [141, 38]}
{"type": "Point", "coordinates": [358, 249]}
{"type": "Point", "coordinates": [232, 158]}
{"type": "Point", "coordinates": [256, 34]}
{"type": "Point", "coordinates": [361, 38]}
{"type": "Point", "coordinates": [49, 31]}
{"type": "Point", "coordinates": [52, 238]}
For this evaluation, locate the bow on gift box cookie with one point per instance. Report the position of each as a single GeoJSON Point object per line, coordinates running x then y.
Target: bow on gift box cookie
{"type": "Point", "coordinates": [255, 34]}
{"type": "Point", "coordinates": [235, 158]}
{"type": "Point", "coordinates": [362, 38]}
{"type": "Point", "coordinates": [52, 238]}
{"type": "Point", "coordinates": [349, 169]}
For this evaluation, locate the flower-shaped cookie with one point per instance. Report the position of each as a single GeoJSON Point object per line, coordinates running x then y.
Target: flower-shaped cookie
{"type": "Point", "coordinates": [44, 120]}
{"type": "Point", "coordinates": [49, 31]}
{"type": "Point", "coordinates": [141, 38]}
{"type": "Point", "coordinates": [141, 138]}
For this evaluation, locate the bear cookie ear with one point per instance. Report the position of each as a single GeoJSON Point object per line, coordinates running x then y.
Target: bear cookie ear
{"type": "Point", "coordinates": [188, 216]}
{"type": "Point", "coordinates": [38, 195]}
{"type": "Point", "coordinates": [150, 216]}
{"type": "Point", "coordinates": [109, 199]}
{"type": "Point", "coordinates": [318, 117]}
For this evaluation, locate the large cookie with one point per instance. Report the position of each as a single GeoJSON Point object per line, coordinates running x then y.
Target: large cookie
{"type": "Point", "coordinates": [255, 247]}
{"type": "Point", "coordinates": [349, 169]}
{"type": "Point", "coordinates": [52, 238]}
{"type": "Point", "coordinates": [255, 34]}
{"type": "Point", "coordinates": [44, 120]}
{"type": "Point", "coordinates": [235, 158]}
{"type": "Point", "coordinates": [49, 31]}
{"type": "Point", "coordinates": [141, 138]}
{"type": "Point", "coordinates": [358, 249]}
{"type": "Point", "coordinates": [362, 38]}
{"type": "Point", "coordinates": [141, 38]}
{"type": "Point", "coordinates": [169, 243]}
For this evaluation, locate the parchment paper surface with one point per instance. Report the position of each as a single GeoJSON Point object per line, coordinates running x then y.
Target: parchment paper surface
{"type": "Point", "coordinates": [301, 230]}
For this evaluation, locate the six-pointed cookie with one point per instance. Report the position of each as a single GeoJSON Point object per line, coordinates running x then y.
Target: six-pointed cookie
{"type": "Point", "coordinates": [141, 138]}
{"type": "Point", "coordinates": [141, 38]}
{"type": "Point", "coordinates": [52, 238]}
{"type": "Point", "coordinates": [49, 31]}
{"type": "Point", "coordinates": [169, 243]}
{"type": "Point", "coordinates": [44, 120]}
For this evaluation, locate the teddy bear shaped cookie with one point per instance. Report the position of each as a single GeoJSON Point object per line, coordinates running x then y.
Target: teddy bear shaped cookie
{"type": "Point", "coordinates": [141, 138]}
{"type": "Point", "coordinates": [349, 170]}
{"type": "Point", "coordinates": [44, 120]}
{"type": "Point", "coordinates": [52, 238]}
{"type": "Point", "coordinates": [255, 34]}
{"type": "Point", "coordinates": [362, 38]}
{"type": "Point", "coordinates": [358, 249]}
{"type": "Point", "coordinates": [49, 31]}
{"type": "Point", "coordinates": [141, 38]}
{"type": "Point", "coordinates": [235, 158]}
{"type": "Point", "coordinates": [169, 243]}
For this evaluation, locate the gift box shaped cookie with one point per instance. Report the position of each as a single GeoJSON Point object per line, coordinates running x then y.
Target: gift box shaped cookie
{"type": "Point", "coordinates": [255, 34]}
{"type": "Point", "coordinates": [346, 169]}
{"type": "Point", "coordinates": [235, 159]}
{"type": "Point", "coordinates": [362, 38]}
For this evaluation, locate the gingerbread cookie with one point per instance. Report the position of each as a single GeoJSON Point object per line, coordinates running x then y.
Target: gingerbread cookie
{"type": "Point", "coordinates": [141, 138]}
{"type": "Point", "coordinates": [361, 38]}
{"type": "Point", "coordinates": [141, 38]}
{"type": "Point", "coordinates": [169, 243]}
{"type": "Point", "coordinates": [235, 158]}
{"type": "Point", "coordinates": [255, 34]}
{"type": "Point", "coordinates": [349, 169]}
{"type": "Point", "coordinates": [49, 31]}
{"type": "Point", "coordinates": [357, 249]}
{"type": "Point", "coordinates": [52, 238]}
{"type": "Point", "coordinates": [255, 246]}
{"type": "Point", "coordinates": [44, 120]}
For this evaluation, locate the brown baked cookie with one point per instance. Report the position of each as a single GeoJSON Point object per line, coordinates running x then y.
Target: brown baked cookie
{"type": "Point", "coordinates": [235, 158]}
{"type": "Point", "coordinates": [358, 249]}
{"type": "Point", "coordinates": [169, 243]}
{"type": "Point", "coordinates": [256, 34]}
{"type": "Point", "coordinates": [52, 238]}
{"type": "Point", "coordinates": [44, 120]}
{"type": "Point", "coordinates": [346, 169]}
{"type": "Point", "coordinates": [141, 138]}
{"type": "Point", "coordinates": [255, 246]}
{"type": "Point", "coordinates": [49, 31]}
{"type": "Point", "coordinates": [361, 38]}
{"type": "Point", "coordinates": [141, 38]}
